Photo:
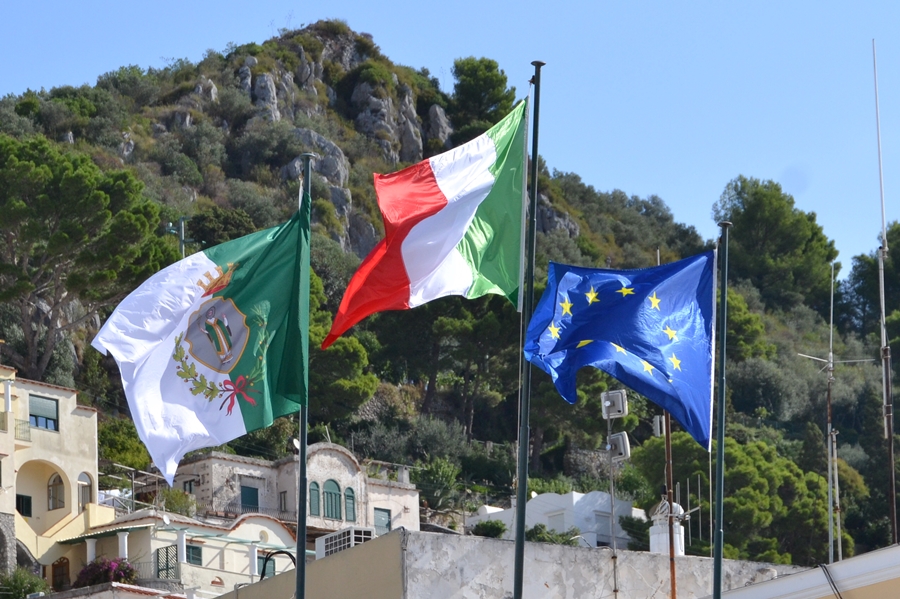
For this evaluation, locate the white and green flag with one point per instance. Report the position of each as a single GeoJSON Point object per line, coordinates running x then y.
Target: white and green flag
{"type": "Point", "coordinates": [216, 345]}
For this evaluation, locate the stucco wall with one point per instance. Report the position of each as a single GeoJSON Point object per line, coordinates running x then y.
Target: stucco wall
{"type": "Point", "coordinates": [402, 499]}
{"type": "Point", "coordinates": [415, 565]}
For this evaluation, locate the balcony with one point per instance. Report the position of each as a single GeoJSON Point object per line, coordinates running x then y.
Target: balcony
{"type": "Point", "coordinates": [23, 430]}
{"type": "Point", "coordinates": [236, 508]}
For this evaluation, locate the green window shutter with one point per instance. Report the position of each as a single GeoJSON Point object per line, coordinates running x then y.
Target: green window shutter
{"type": "Point", "coordinates": [194, 555]}
{"type": "Point", "coordinates": [314, 509]}
{"type": "Point", "coordinates": [332, 492]}
{"type": "Point", "coordinates": [249, 497]}
{"type": "Point", "coordinates": [350, 504]}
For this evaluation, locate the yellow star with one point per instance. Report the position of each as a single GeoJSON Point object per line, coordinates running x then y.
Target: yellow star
{"type": "Point", "coordinates": [676, 363]}
{"type": "Point", "coordinates": [554, 331]}
{"type": "Point", "coordinates": [626, 291]}
{"type": "Point", "coordinates": [620, 350]}
{"type": "Point", "coordinates": [654, 301]}
{"type": "Point", "coordinates": [585, 342]}
{"type": "Point", "coordinates": [592, 296]}
{"type": "Point", "coordinates": [673, 335]}
{"type": "Point", "coordinates": [648, 367]}
{"type": "Point", "coordinates": [567, 307]}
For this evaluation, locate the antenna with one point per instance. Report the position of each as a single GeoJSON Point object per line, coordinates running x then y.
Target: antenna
{"type": "Point", "coordinates": [830, 445]}
{"type": "Point", "coordinates": [888, 408]}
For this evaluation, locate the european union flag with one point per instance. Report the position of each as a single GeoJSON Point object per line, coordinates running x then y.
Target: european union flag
{"type": "Point", "coordinates": [652, 329]}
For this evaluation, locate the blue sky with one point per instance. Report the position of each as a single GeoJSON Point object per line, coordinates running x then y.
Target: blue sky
{"type": "Point", "coordinates": [646, 97]}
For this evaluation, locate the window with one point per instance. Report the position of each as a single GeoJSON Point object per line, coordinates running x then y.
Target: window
{"type": "Point", "coordinates": [382, 521]}
{"type": "Point", "coordinates": [60, 574]}
{"type": "Point", "coordinates": [350, 504]}
{"type": "Point", "coordinates": [43, 413]}
{"type": "Point", "coordinates": [249, 498]}
{"type": "Point", "coordinates": [56, 493]}
{"type": "Point", "coordinates": [194, 555]}
{"type": "Point", "coordinates": [314, 499]}
{"type": "Point", "coordinates": [282, 501]}
{"type": "Point", "coordinates": [85, 490]}
{"type": "Point", "coordinates": [269, 566]}
{"type": "Point", "coordinates": [188, 486]}
{"type": "Point", "coordinates": [332, 493]}
{"type": "Point", "coordinates": [167, 562]}
{"type": "Point", "coordinates": [23, 505]}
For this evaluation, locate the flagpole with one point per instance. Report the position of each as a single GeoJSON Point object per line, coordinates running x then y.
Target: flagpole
{"type": "Point", "coordinates": [887, 393]}
{"type": "Point", "coordinates": [302, 485]}
{"type": "Point", "coordinates": [720, 422]}
{"type": "Point", "coordinates": [525, 373]}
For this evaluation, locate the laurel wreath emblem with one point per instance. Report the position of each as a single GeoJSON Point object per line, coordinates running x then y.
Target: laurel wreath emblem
{"type": "Point", "coordinates": [243, 386]}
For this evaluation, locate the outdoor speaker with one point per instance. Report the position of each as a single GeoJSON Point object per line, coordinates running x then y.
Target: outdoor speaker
{"type": "Point", "coordinates": [614, 404]}
{"type": "Point", "coordinates": [619, 448]}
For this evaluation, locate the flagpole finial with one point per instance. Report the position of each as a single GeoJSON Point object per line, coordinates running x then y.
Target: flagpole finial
{"type": "Point", "coordinates": [538, 63]}
{"type": "Point", "coordinates": [725, 224]}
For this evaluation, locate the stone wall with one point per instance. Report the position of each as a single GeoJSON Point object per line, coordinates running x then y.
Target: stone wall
{"type": "Point", "coordinates": [7, 543]}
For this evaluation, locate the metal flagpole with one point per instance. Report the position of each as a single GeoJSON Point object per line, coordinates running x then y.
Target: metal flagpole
{"type": "Point", "coordinates": [885, 348]}
{"type": "Point", "coordinates": [720, 421]}
{"type": "Point", "coordinates": [527, 309]}
{"type": "Point", "coordinates": [669, 487]}
{"type": "Point", "coordinates": [300, 591]}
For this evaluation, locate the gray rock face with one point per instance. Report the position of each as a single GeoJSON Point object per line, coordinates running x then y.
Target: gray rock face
{"type": "Point", "coordinates": [549, 219]}
{"type": "Point", "coordinates": [332, 164]}
{"type": "Point", "coordinates": [207, 89]}
{"type": "Point", "coordinates": [438, 126]}
{"type": "Point", "coordinates": [286, 94]}
{"type": "Point", "coordinates": [266, 97]}
{"type": "Point", "coordinates": [361, 235]}
{"type": "Point", "coordinates": [126, 148]}
{"type": "Point", "coordinates": [158, 129]}
{"type": "Point", "coordinates": [250, 62]}
{"type": "Point", "coordinates": [376, 119]}
{"type": "Point", "coordinates": [182, 119]}
{"type": "Point", "coordinates": [245, 78]}
{"type": "Point", "coordinates": [67, 138]}
{"type": "Point", "coordinates": [409, 131]}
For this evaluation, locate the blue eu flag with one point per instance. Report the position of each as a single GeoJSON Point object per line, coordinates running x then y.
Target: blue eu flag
{"type": "Point", "coordinates": [652, 329]}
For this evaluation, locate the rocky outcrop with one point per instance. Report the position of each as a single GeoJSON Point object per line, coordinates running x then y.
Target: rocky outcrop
{"type": "Point", "coordinates": [395, 129]}
{"type": "Point", "coordinates": [408, 130]}
{"type": "Point", "coordinates": [332, 164]}
{"type": "Point", "coordinates": [376, 118]}
{"type": "Point", "coordinates": [207, 90]}
{"type": "Point", "coordinates": [361, 235]}
{"type": "Point", "coordinates": [549, 219]}
{"type": "Point", "coordinates": [438, 127]}
{"type": "Point", "coordinates": [265, 97]}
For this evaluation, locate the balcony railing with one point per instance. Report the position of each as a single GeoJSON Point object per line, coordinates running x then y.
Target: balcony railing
{"type": "Point", "coordinates": [236, 508]}
{"type": "Point", "coordinates": [149, 571]}
{"type": "Point", "coordinates": [23, 430]}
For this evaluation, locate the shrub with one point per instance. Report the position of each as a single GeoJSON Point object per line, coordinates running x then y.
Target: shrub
{"type": "Point", "coordinates": [20, 583]}
{"type": "Point", "coordinates": [489, 528]}
{"type": "Point", "coordinates": [106, 570]}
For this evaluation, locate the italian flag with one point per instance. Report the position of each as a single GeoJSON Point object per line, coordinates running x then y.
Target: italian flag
{"type": "Point", "coordinates": [452, 226]}
{"type": "Point", "coordinates": [216, 345]}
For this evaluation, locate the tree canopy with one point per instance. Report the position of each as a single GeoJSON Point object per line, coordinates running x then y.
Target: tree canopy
{"type": "Point", "coordinates": [73, 239]}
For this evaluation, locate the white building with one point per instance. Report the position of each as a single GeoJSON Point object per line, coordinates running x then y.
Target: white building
{"type": "Point", "coordinates": [341, 492]}
{"type": "Point", "coordinates": [589, 512]}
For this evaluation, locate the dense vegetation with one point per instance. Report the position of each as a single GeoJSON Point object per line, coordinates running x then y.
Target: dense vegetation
{"type": "Point", "coordinates": [94, 179]}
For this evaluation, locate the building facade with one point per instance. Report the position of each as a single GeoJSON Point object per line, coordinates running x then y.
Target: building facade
{"type": "Point", "coordinates": [48, 477]}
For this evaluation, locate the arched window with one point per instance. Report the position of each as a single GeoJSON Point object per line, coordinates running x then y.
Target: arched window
{"type": "Point", "coordinates": [55, 493]}
{"type": "Point", "coordinates": [350, 504]}
{"type": "Point", "coordinates": [85, 490]}
{"type": "Point", "coordinates": [314, 499]}
{"type": "Point", "coordinates": [332, 492]}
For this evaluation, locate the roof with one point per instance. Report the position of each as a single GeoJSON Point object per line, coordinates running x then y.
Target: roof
{"type": "Point", "coordinates": [102, 533]}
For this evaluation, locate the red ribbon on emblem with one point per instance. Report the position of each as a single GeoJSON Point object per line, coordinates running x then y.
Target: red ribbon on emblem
{"type": "Point", "coordinates": [234, 389]}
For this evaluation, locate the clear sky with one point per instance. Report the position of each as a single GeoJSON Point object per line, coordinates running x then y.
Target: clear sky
{"type": "Point", "coordinates": [671, 99]}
